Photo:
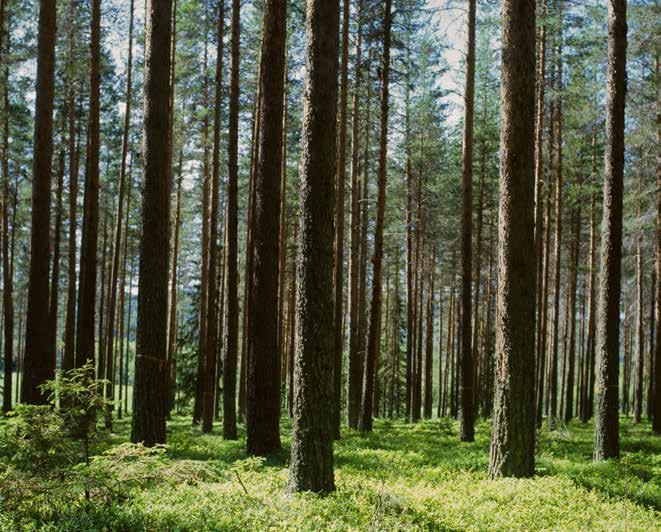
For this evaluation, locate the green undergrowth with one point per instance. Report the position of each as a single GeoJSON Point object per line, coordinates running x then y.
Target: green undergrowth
{"type": "Point", "coordinates": [400, 477]}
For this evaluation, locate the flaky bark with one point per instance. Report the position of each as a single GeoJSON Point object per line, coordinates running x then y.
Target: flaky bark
{"type": "Point", "coordinates": [37, 367]}
{"type": "Point", "coordinates": [311, 464]}
{"type": "Point", "coordinates": [263, 371]}
{"type": "Point", "coordinates": [150, 394]}
{"type": "Point", "coordinates": [607, 428]}
{"type": "Point", "coordinates": [513, 436]}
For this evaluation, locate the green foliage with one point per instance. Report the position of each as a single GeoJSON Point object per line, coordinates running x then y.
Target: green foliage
{"type": "Point", "coordinates": [400, 477]}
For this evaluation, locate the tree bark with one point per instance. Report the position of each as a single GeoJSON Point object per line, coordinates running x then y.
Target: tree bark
{"type": "Point", "coordinates": [90, 229]}
{"type": "Point", "coordinates": [119, 221]}
{"type": "Point", "coordinates": [55, 270]}
{"type": "Point", "coordinates": [232, 316]}
{"type": "Point", "coordinates": [513, 436]}
{"type": "Point", "coordinates": [263, 384]}
{"type": "Point", "coordinates": [354, 377]}
{"type": "Point", "coordinates": [68, 356]}
{"type": "Point", "coordinates": [150, 393]}
{"type": "Point", "coordinates": [467, 417]}
{"type": "Point", "coordinates": [311, 463]}
{"type": "Point", "coordinates": [607, 428]}
{"type": "Point", "coordinates": [373, 341]}
{"type": "Point", "coordinates": [37, 366]}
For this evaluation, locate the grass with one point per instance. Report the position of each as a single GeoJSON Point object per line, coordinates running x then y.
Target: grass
{"type": "Point", "coordinates": [405, 477]}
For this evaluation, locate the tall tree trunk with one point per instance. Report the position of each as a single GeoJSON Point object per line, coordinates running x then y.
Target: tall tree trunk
{"type": "Point", "coordinates": [553, 360]}
{"type": "Point", "coordinates": [263, 384]}
{"type": "Point", "coordinates": [467, 418]}
{"type": "Point", "coordinates": [68, 356]}
{"type": "Point", "coordinates": [7, 266]}
{"type": "Point", "coordinates": [592, 309]}
{"type": "Point", "coordinates": [338, 276]}
{"type": "Point", "coordinates": [573, 286]}
{"type": "Point", "coordinates": [656, 408]}
{"type": "Point", "coordinates": [200, 381]}
{"type": "Point", "coordinates": [513, 436]}
{"type": "Point", "coordinates": [232, 325]}
{"type": "Point", "coordinates": [539, 184]}
{"type": "Point", "coordinates": [311, 463]}
{"type": "Point", "coordinates": [354, 376]}
{"type": "Point", "coordinates": [150, 393]}
{"type": "Point", "coordinates": [90, 229]}
{"type": "Point", "coordinates": [209, 394]}
{"type": "Point", "coordinates": [373, 341]}
{"type": "Point", "coordinates": [607, 428]}
{"type": "Point", "coordinates": [37, 366]}
{"type": "Point", "coordinates": [119, 221]}
{"type": "Point", "coordinates": [650, 363]}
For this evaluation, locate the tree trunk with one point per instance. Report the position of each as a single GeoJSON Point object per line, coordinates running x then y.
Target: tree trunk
{"type": "Point", "coordinates": [37, 366]}
{"type": "Point", "coordinates": [263, 371]}
{"type": "Point", "coordinates": [467, 417]}
{"type": "Point", "coordinates": [200, 381]}
{"type": "Point", "coordinates": [607, 428]}
{"type": "Point", "coordinates": [150, 392]}
{"type": "Point", "coordinates": [68, 355]}
{"type": "Point", "coordinates": [119, 220]}
{"type": "Point", "coordinates": [55, 271]}
{"type": "Point", "coordinates": [429, 342]}
{"type": "Point", "coordinates": [7, 267]}
{"type": "Point", "coordinates": [232, 315]}
{"type": "Point", "coordinates": [640, 339]}
{"type": "Point", "coordinates": [90, 229]}
{"type": "Point", "coordinates": [513, 436]}
{"type": "Point", "coordinates": [373, 341]}
{"type": "Point", "coordinates": [311, 463]}
{"type": "Point", "coordinates": [354, 376]}
{"type": "Point", "coordinates": [338, 277]}
{"type": "Point", "coordinates": [573, 286]}
{"type": "Point", "coordinates": [211, 343]}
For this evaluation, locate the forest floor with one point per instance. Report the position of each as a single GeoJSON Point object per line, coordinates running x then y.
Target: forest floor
{"type": "Point", "coordinates": [399, 477]}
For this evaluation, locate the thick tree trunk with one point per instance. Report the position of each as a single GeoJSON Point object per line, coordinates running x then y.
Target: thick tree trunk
{"type": "Point", "coordinates": [311, 463]}
{"type": "Point", "coordinates": [263, 371]}
{"type": "Point", "coordinates": [150, 392]}
{"type": "Point", "coordinates": [513, 436]}
{"type": "Point", "coordinates": [37, 366]}
{"type": "Point", "coordinates": [607, 428]}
